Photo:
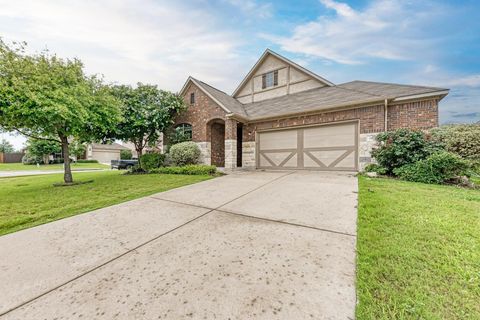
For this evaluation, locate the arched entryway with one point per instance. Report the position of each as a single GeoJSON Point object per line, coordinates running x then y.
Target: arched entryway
{"type": "Point", "coordinates": [216, 135]}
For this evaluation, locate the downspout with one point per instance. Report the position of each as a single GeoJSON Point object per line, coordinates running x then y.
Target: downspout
{"type": "Point", "coordinates": [386, 116]}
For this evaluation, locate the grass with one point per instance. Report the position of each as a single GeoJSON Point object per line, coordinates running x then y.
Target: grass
{"type": "Point", "coordinates": [30, 201]}
{"type": "Point", "coordinates": [418, 251]}
{"type": "Point", "coordinates": [57, 166]}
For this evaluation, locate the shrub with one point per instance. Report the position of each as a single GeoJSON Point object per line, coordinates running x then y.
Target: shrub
{"type": "Point", "coordinates": [463, 140]}
{"type": "Point", "coordinates": [373, 167]}
{"type": "Point", "coordinates": [87, 161]}
{"type": "Point", "coordinates": [32, 159]}
{"type": "Point", "coordinates": [401, 147]}
{"type": "Point", "coordinates": [184, 153]}
{"type": "Point", "coordinates": [126, 154]}
{"type": "Point", "coordinates": [151, 161]}
{"type": "Point", "coordinates": [437, 168]}
{"type": "Point", "coordinates": [192, 169]}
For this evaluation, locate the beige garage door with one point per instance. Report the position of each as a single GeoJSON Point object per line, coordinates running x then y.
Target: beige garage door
{"type": "Point", "coordinates": [326, 147]}
{"type": "Point", "coordinates": [105, 156]}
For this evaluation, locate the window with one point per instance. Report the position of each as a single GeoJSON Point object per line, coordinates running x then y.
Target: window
{"type": "Point", "coordinates": [270, 79]}
{"type": "Point", "coordinates": [192, 98]}
{"type": "Point", "coordinates": [184, 130]}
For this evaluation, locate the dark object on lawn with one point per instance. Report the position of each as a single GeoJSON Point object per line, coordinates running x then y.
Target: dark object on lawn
{"type": "Point", "coordinates": [462, 181]}
{"type": "Point", "coordinates": [123, 164]}
{"type": "Point", "coordinates": [75, 183]}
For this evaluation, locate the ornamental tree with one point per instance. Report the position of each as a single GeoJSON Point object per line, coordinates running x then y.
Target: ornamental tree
{"type": "Point", "coordinates": [147, 112]}
{"type": "Point", "coordinates": [49, 98]}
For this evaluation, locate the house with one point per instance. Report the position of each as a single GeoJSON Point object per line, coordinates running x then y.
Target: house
{"type": "Point", "coordinates": [104, 153]}
{"type": "Point", "coordinates": [283, 116]}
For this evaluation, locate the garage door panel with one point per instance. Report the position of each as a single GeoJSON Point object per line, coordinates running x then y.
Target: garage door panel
{"type": "Point", "coordinates": [347, 162]}
{"type": "Point", "coordinates": [326, 157]}
{"type": "Point", "coordinates": [329, 136]}
{"type": "Point", "coordinates": [326, 147]}
{"type": "Point", "coordinates": [279, 140]}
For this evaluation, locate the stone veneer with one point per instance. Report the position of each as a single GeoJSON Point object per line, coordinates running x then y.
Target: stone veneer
{"type": "Point", "coordinates": [248, 155]}
{"type": "Point", "coordinates": [367, 142]}
{"type": "Point", "coordinates": [204, 152]}
{"type": "Point", "coordinates": [230, 154]}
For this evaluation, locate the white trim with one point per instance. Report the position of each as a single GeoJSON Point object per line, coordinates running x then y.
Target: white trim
{"type": "Point", "coordinates": [422, 95]}
{"type": "Point", "coordinates": [287, 61]}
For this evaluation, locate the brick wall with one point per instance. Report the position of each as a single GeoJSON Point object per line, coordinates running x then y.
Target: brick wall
{"type": "Point", "coordinates": [414, 115]}
{"type": "Point", "coordinates": [199, 113]}
{"type": "Point", "coordinates": [371, 120]}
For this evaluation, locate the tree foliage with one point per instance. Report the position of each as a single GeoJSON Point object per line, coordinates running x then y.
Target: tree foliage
{"type": "Point", "coordinates": [147, 112]}
{"type": "Point", "coordinates": [463, 139]}
{"type": "Point", "coordinates": [401, 147]}
{"type": "Point", "coordinates": [50, 98]}
{"type": "Point", "coordinates": [6, 147]}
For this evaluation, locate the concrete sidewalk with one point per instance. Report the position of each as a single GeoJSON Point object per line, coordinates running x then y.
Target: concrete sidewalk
{"type": "Point", "coordinates": [256, 245]}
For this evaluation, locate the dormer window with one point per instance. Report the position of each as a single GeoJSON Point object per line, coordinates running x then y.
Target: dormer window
{"type": "Point", "coordinates": [192, 98]}
{"type": "Point", "coordinates": [270, 79]}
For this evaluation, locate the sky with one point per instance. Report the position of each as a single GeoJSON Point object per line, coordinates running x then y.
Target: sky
{"type": "Point", "coordinates": [428, 42]}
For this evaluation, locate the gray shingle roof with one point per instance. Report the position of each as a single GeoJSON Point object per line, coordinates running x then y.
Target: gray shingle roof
{"type": "Point", "coordinates": [232, 104]}
{"type": "Point", "coordinates": [388, 90]}
{"type": "Point", "coordinates": [311, 100]}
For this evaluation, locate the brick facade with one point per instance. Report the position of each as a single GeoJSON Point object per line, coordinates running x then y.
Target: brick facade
{"type": "Point", "coordinates": [414, 115]}
{"type": "Point", "coordinates": [200, 113]}
{"type": "Point", "coordinates": [211, 127]}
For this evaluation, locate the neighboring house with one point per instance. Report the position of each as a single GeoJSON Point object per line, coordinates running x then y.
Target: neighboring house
{"type": "Point", "coordinates": [157, 148]}
{"type": "Point", "coordinates": [104, 153]}
{"type": "Point", "coordinates": [283, 116]}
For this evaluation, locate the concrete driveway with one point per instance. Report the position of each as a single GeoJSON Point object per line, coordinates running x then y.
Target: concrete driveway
{"type": "Point", "coordinates": [250, 245]}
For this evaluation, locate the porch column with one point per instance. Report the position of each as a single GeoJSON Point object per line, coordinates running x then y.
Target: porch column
{"type": "Point", "coordinates": [230, 144]}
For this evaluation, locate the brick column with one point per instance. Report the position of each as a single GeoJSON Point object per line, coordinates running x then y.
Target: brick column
{"type": "Point", "coordinates": [230, 144]}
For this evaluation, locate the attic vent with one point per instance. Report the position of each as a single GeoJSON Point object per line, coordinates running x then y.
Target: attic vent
{"type": "Point", "coordinates": [270, 79]}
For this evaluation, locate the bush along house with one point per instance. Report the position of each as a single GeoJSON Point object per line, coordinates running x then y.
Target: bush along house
{"type": "Point", "coordinates": [283, 116]}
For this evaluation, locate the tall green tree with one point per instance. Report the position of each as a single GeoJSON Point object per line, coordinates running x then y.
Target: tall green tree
{"type": "Point", "coordinates": [147, 112]}
{"type": "Point", "coordinates": [6, 147]}
{"type": "Point", "coordinates": [49, 98]}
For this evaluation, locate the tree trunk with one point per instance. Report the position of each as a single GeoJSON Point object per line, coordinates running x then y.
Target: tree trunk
{"type": "Point", "coordinates": [67, 175]}
{"type": "Point", "coordinates": [139, 155]}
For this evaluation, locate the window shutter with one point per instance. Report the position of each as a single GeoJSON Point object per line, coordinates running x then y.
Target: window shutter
{"type": "Point", "coordinates": [275, 78]}
{"type": "Point", "coordinates": [264, 81]}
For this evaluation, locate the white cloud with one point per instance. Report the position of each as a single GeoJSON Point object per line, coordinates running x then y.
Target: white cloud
{"type": "Point", "coordinates": [252, 8]}
{"type": "Point", "coordinates": [151, 41]}
{"type": "Point", "coordinates": [384, 29]}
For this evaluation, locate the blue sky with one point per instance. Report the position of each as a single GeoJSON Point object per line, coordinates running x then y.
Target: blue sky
{"type": "Point", "coordinates": [433, 43]}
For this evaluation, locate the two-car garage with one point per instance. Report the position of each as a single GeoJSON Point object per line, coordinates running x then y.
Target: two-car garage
{"type": "Point", "coordinates": [320, 147]}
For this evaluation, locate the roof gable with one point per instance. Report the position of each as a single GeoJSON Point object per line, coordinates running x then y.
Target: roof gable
{"type": "Point", "coordinates": [224, 101]}
{"type": "Point", "coordinates": [262, 65]}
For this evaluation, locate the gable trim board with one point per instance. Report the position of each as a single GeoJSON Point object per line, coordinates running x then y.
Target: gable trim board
{"type": "Point", "coordinates": [287, 61]}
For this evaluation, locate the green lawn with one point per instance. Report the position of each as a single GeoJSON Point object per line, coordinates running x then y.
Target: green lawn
{"type": "Point", "coordinates": [418, 251]}
{"type": "Point", "coordinates": [30, 201]}
{"type": "Point", "coordinates": [57, 166]}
